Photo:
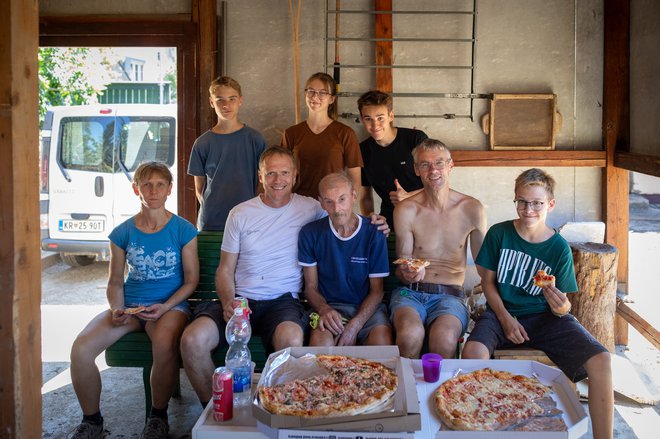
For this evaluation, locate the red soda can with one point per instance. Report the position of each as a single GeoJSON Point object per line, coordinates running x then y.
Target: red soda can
{"type": "Point", "coordinates": [223, 394]}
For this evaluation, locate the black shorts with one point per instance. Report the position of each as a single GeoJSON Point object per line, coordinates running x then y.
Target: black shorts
{"type": "Point", "coordinates": [563, 339]}
{"type": "Point", "coordinates": [212, 310]}
{"type": "Point", "coordinates": [266, 315]}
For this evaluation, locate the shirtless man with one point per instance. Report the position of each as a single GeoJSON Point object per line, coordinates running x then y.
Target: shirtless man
{"type": "Point", "coordinates": [434, 225]}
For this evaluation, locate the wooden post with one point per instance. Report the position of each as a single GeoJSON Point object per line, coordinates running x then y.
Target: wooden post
{"type": "Point", "coordinates": [595, 303]}
{"type": "Point", "coordinates": [205, 17]}
{"type": "Point", "coordinates": [20, 265]}
{"type": "Point", "coordinates": [616, 129]}
{"type": "Point", "coordinates": [384, 48]}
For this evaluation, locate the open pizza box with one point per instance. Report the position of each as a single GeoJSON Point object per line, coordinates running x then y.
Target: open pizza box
{"type": "Point", "coordinates": [401, 414]}
{"type": "Point", "coordinates": [574, 415]}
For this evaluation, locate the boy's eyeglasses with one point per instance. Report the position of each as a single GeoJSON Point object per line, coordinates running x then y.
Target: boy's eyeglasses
{"type": "Point", "coordinates": [322, 94]}
{"type": "Point", "coordinates": [535, 205]}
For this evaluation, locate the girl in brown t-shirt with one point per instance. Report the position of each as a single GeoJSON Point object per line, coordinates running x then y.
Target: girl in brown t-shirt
{"type": "Point", "coordinates": [321, 144]}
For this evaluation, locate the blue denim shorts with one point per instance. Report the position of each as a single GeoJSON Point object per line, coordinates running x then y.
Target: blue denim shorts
{"type": "Point", "coordinates": [563, 339]}
{"type": "Point", "coordinates": [181, 307]}
{"type": "Point", "coordinates": [379, 317]}
{"type": "Point", "coordinates": [430, 306]}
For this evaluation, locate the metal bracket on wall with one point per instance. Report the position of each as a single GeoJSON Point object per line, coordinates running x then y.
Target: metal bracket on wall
{"type": "Point", "coordinates": [471, 95]}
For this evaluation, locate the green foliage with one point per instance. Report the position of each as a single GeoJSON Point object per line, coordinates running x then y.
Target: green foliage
{"type": "Point", "coordinates": [71, 76]}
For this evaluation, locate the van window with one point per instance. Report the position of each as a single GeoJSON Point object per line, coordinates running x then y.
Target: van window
{"type": "Point", "coordinates": [146, 139]}
{"type": "Point", "coordinates": [87, 143]}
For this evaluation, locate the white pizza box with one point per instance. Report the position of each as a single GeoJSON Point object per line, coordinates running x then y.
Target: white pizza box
{"type": "Point", "coordinates": [574, 416]}
{"type": "Point", "coordinates": [281, 433]}
{"type": "Point", "coordinates": [404, 415]}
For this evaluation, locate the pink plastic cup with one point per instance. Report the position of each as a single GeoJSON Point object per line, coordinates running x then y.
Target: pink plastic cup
{"type": "Point", "coordinates": [431, 365]}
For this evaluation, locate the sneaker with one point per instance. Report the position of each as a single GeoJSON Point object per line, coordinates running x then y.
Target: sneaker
{"type": "Point", "coordinates": [87, 430]}
{"type": "Point", "coordinates": [156, 428]}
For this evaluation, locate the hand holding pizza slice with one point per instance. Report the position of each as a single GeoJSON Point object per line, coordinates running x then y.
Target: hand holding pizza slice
{"type": "Point", "coordinates": [414, 264]}
{"type": "Point", "coordinates": [134, 310]}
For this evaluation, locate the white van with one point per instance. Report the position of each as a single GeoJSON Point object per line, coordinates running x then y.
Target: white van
{"type": "Point", "coordinates": [88, 157]}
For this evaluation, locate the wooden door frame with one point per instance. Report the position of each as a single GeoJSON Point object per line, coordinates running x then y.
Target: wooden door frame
{"type": "Point", "coordinates": [137, 31]}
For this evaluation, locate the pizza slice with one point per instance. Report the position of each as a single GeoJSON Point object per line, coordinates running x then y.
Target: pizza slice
{"type": "Point", "coordinates": [135, 310]}
{"type": "Point", "coordinates": [542, 279]}
{"type": "Point", "coordinates": [415, 264]}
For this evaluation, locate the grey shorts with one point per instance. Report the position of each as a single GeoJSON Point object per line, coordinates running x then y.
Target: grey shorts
{"type": "Point", "coordinates": [562, 339]}
{"type": "Point", "coordinates": [379, 317]}
{"type": "Point", "coordinates": [430, 306]}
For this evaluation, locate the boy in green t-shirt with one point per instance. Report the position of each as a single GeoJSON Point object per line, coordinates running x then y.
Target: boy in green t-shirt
{"type": "Point", "coordinates": [521, 314]}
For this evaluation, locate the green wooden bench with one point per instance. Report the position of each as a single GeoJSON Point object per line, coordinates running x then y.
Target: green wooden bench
{"type": "Point", "coordinates": [134, 350]}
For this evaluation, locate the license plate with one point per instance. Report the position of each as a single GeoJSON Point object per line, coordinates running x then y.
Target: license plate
{"type": "Point", "coordinates": [81, 225]}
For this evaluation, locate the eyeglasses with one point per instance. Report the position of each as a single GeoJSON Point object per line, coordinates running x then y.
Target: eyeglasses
{"type": "Point", "coordinates": [535, 205]}
{"type": "Point", "coordinates": [438, 164]}
{"type": "Point", "coordinates": [322, 94]}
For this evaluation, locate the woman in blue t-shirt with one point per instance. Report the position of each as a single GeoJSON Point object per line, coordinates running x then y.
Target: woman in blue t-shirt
{"type": "Point", "coordinates": [160, 250]}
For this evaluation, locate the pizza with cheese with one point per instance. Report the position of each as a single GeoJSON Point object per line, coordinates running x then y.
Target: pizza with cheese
{"type": "Point", "coordinates": [351, 386]}
{"type": "Point", "coordinates": [135, 310]}
{"type": "Point", "coordinates": [489, 400]}
{"type": "Point", "coordinates": [415, 264]}
{"type": "Point", "coordinates": [542, 279]}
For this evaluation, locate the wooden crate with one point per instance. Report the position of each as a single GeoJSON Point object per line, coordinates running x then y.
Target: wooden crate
{"type": "Point", "coordinates": [522, 121]}
{"type": "Point", "coordinates": [523, 354]}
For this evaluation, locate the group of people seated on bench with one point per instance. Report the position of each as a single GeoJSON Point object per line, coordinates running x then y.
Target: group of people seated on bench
{"type": "Point", "coordinates": [281, 243]}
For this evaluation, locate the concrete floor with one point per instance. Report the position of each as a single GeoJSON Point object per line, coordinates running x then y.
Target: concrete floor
{"type": "Point", "coordinates": [71, 296]}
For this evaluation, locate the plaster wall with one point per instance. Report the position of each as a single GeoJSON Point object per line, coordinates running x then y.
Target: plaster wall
{"type": "Point", "coordinates": [522, 46]}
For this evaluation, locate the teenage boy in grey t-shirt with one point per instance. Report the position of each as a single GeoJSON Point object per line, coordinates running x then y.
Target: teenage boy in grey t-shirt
{"type": "Point", "coordinates": [224, 160]}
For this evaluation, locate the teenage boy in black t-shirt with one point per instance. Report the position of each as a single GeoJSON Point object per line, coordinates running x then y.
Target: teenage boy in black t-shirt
{"type": "Point", "coordinates": [388, 164]}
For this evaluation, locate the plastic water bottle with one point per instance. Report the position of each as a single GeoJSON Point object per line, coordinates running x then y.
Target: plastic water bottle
{"type": "Point", "coordinates": [238, 359]}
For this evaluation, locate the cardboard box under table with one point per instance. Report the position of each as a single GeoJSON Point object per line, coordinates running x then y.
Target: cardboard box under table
{"type": "Point", "coordinates": [574, 414]}
{"type": "Point", "coordinates": [401, 415]}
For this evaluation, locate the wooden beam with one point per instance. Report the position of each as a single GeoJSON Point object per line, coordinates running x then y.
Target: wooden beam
{"type": "Point", "coordinates": [188, 110]}
{"type": "Point", "coordinates": [20, 262]}
{"type": "Point", "coordinates": [616, 128]}
{"type": "Point", "coordinates": [638, 322]}
{"type": "Point", "coordinates": [384, 48]}
{"type": "Point", "coordinates": [104, 25]}
{"type": "Point", "coordinates": [499, 158]}
{"type": "Point", "coordinates": [646, 164]}
{"type": "Point", "coordinates": [205, 16]}
{"type": "Point", "coordinates": [57, 20]}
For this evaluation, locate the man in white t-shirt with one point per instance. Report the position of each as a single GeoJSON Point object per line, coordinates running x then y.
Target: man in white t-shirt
{"type": "Point", "coordinates": [259, 261]}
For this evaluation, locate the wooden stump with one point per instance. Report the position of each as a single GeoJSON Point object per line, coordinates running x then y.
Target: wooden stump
{"type": "Point", "coordinates": [594, 305]}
